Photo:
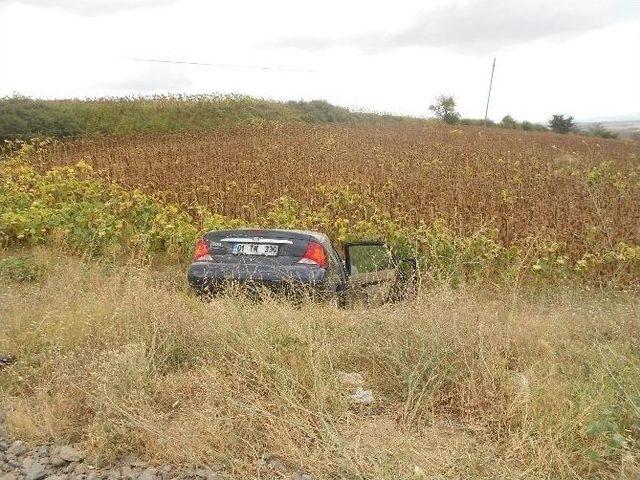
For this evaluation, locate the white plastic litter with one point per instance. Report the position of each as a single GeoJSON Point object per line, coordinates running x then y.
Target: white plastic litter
{"type": "Point", "coordinates": [362, 397]}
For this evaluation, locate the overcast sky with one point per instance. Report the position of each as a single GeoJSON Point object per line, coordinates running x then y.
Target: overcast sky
{"type": "Point", "coordinates": [553, 56]}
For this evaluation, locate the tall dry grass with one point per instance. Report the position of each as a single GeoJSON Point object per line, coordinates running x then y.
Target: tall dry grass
{"type": "Point", "coordinates": [123, 360]}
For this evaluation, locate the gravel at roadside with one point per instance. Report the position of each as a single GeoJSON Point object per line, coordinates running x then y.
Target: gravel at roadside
{"type": "Point", "coordinates": [19, 461]}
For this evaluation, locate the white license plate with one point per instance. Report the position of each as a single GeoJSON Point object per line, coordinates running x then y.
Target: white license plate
{"type": "Point", "coordinates": [255, 249]}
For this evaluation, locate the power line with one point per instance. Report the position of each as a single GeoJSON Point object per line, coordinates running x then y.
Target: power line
{"type": "Point", "coordinates": [222, 65]}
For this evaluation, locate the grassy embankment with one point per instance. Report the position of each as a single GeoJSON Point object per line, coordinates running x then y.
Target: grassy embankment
{"type": "Point", "coordinates": [119, 358]}
{"type": "Point", "coordinates": [24, 118]}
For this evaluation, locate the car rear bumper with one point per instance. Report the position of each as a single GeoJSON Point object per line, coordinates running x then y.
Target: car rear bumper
{"type": "Point", "coordinates": [209, 277]}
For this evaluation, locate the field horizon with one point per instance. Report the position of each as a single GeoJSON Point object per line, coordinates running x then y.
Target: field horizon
{"type": "Point", "coordinates": [23, 117]}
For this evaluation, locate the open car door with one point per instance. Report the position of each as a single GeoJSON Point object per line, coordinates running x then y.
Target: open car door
{"type": "Point", "coordinates": [372, 273]}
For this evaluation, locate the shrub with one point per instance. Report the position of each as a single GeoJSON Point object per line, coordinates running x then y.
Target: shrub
{"type": "Point", "coordinates": [478, 122]}
{"type": "Point", "coordinates": [508, 122]}
{"type": "Point", "coordinates": [74, 207]}
{"type": "Point", "coordinates": [445, 109]}
{"type": "Point", "coordinates": [598, 130]}
{"type": "Point", "coordinates": [21, 268]}
{"type": "Point", "coordinates": [529, 126]}
{"type": "Point", "coordinates": [561, 124]}
{"type": "Point", "coordinates": [23, 118]}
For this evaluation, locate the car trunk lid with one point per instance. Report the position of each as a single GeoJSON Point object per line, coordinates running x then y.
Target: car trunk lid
{"type": "Point", "coordinates": [257, 247]}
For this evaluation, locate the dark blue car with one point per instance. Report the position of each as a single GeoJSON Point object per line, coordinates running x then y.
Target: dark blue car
{"type": "Point", "coordinates": [295, 262]}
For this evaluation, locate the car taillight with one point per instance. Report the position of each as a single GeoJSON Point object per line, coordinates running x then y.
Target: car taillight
{"type": "Point", "coordinates": [202, 251]}
{"type": "Point", "coordinates": [315, 255]}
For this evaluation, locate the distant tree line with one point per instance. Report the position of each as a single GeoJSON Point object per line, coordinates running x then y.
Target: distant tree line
{"type": "Point", "coordinates": [23, 117]}
{"type": "Point", "coordinates": [444, 108]}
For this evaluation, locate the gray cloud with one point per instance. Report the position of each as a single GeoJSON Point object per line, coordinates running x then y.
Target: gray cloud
{"type": "Point", "coordinates": [483, 25]}
{"type": "Point", "coordinates": [92, 7]}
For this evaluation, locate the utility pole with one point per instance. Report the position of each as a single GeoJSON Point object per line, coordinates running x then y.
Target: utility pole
{"type": "Point", "coordinates": [486, 112]}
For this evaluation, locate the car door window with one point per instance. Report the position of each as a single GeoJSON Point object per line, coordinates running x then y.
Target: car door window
{"type": "Point", "coordinates": [368, 258]}
{"type": "Point", "coordinates": [371, 273]}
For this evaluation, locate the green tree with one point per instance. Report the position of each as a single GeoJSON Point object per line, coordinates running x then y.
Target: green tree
{"type": "Point", "coordinates": [445, 109]}
{"type": "Point", "coordinates": [508, 122]}
{"type": "Point", "coordinates": [561, 124]}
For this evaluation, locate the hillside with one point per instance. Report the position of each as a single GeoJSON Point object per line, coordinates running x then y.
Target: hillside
{"type": "Point", "coordinates": [23, 117]}
{"type": "Point", "coordinates": [622, 128]}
